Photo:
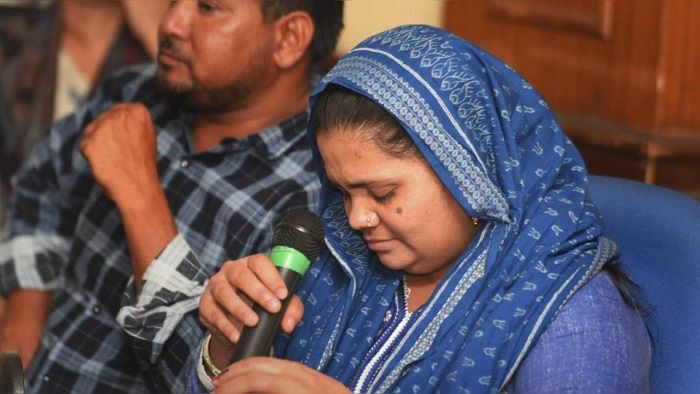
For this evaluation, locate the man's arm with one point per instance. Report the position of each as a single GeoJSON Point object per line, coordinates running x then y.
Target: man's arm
{"type": "Point", "coordinates": [120, 146]}
{"type": "Point", "coordinates": [149, 227]}
{"type": "Point", "coordinates": [26, 312]}
{"type": "Point", "coordinates": [161, 322]}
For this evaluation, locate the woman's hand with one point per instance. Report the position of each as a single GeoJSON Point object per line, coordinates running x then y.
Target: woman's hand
{"type": "Point", "coordinates": [226, 303]}
{"type": "Point", "coordinates": [271, 375]}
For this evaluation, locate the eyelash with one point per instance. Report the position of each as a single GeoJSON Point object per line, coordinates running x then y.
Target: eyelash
{"type": "Point", "coordinates": [380, 199]}
{"type": "Point", "coordinates": [206, 7]}
{"type": "Point", "coordinates": [383, 199]}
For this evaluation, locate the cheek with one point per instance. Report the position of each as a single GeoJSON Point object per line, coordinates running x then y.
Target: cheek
{"type": "Point", "coordinates": [407, 221]}
{"type": "Point", "coordinates": [440, 220]}
{"type": "Point", "coordinates": [219, 44]}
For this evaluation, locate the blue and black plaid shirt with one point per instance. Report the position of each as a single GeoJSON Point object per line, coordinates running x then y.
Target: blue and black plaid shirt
{"type": "Point", "coordinates": [67, 236]}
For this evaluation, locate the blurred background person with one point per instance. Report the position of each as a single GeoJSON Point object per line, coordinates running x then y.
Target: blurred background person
{"type": "Point", "coordinates": [53, 55]}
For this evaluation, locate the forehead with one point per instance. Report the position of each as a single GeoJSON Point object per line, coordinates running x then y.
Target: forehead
{"type": "Point", "coordinates": [351, 158]}
{"type": "Point", "coordinates": [347, 146]}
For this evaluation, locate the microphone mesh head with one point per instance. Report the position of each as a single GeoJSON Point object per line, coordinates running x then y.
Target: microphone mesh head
{"type": "Point", "coordinates": [301, 230]}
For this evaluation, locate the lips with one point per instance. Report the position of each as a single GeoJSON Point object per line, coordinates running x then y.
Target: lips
{"type": "Point", "coordinates": [379, 245]}
{"type": "Point", "coordinates": [165, 57]}
{"type": "Point", "coordinates": [170, 54]}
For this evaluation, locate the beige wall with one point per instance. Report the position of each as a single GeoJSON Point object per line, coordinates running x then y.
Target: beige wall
{"type": "Point", "coordinates": [366, 17]}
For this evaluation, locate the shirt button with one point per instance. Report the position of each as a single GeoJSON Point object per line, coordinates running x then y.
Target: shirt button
{"type": "Point", "coordinates": [47, 378]}
{"type": "Point", "coordinates": [184, 163]}
{"type": "Point", "coordinates": [96, 310]}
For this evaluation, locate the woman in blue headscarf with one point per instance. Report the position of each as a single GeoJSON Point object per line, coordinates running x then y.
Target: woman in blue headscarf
{"type": "Point", "coordinates": [463, 252]}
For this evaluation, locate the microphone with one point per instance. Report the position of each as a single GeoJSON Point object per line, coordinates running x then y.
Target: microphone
{"type": "Point", "coordinates": [296, 242]}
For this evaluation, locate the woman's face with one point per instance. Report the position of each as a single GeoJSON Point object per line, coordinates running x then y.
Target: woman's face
{"type": "Point", "coordinates": [404, 212]}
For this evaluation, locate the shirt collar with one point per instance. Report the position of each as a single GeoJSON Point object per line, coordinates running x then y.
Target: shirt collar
{"type": "Point", "coordinates": [274, 141]}
{"type": "Point", "coordinates": [271, 142]}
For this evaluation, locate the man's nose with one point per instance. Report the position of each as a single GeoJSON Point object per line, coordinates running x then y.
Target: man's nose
{"type": "Point", "coordinates": [177, 21]}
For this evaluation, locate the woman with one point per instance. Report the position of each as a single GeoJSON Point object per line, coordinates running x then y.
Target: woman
{"type": "Point", "coordinates": [464, 254]}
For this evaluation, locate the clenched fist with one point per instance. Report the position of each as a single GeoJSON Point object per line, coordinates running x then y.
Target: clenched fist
{"type": "Point", "coordinates": [120, 146]}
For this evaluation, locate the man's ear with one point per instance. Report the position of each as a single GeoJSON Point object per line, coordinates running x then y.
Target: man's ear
{"type": "Point", "coordinates": [293, 34]}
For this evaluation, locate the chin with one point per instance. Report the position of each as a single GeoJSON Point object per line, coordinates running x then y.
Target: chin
{"type": "Point", "coordinates": [394, 263]}
{"type": "Point", "coordinates": [171, 85]}
{"type": "Point", "coordinates": [173, 75]}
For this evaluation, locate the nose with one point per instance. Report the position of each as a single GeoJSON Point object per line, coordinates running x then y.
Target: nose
{"type": "Point", "coordinates": [361, 216]}
{"type": "Point", "coordinates": [177, 21]}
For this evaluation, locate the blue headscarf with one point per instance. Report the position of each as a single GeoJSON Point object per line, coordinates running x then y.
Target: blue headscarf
{"type": "Point", "coordinates": [497, 147]}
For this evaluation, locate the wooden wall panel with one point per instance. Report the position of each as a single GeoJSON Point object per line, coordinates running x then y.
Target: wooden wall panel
{"type": "Point", "coordinates": [578, 73]}
{"type": "Point", "coordinates": [622, 75]}
{"type": "Point", "coordinates": [588, 17]}
{"type": "Point", "coordinates": [679, 78]}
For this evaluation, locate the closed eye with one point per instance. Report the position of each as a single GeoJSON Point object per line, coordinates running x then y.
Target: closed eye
{"type": "Point", "coordinates": [383, 199]}
{"type": "Point", "coordinates": [206, 7]}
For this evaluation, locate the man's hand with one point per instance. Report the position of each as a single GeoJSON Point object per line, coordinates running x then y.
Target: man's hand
{"type": "Point", "coordinates": [120, 146]}
{"type": "Point", "coordinates": [26, 312]}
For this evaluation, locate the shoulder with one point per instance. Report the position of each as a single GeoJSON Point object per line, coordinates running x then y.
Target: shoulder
{"type": "Point", "coordinates": [595, 341]}
{"type": "Point", "coordinates": [129, 84]}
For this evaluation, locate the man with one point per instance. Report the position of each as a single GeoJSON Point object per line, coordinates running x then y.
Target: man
{"type": "Point", "coordinates": [143, 193]}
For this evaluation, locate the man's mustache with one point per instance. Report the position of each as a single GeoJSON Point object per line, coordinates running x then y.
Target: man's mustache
{"type": "Point", "coordinates": [168, 47]}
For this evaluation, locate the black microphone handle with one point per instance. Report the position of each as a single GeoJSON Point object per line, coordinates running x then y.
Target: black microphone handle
{"type": "Point", "coordinates": [257, 340]}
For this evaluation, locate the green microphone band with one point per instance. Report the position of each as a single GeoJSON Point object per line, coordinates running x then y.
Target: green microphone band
{"type": "Point", "coordinates": [290, 258]}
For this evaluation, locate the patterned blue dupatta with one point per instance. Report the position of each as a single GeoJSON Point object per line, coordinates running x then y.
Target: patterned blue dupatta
{"type": "Point", "coordinates": [501, 153]}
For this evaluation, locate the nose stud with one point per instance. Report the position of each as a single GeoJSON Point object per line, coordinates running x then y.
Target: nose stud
{"type": "Point", "coordinates": [368, 221]}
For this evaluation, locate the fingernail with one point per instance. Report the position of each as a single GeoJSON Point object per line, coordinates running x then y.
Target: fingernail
{"type": "Point", "coordinates": [290, 322]}
{"type": "Point", "coordinates": [250, 319]}
{"type": "Point", "coordinates": [272, 303]}
{"type": "Point", "coordinates": [281, 293]}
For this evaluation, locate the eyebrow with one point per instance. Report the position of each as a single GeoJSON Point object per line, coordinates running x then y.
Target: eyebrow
{"type": "Point", "coordinates": [361, 184]}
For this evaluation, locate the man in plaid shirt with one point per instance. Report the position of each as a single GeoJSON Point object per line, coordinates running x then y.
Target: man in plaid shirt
{"type": "Point", "coordinates": [121, 215]}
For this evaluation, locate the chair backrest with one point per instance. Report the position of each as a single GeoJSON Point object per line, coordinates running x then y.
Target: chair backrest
{"type": "Point", "coordinates": [658, 232]}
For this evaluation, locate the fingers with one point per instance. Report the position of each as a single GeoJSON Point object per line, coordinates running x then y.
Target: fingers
{"type": "Point", "coordinates": [271, 375]}
{"type": "Point", "coordinates": [268, 274]}
{"type": "Point", "coordinates": [225, 305]}
{"type": "Point", "coordinates": [124, 112]}
{"type": "Point", "coordinates": [258, 279]}
{"type": "Point", "coordinates": [293, 315]}
{"type": "Point", "coordinates": [217, 320]}
{"type": "Point", "coordinates": [121, 116]}
{"type": "Point", "coordinates": [255, 374]}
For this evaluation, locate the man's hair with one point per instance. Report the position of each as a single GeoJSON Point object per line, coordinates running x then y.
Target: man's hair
{"type": "Point", "coordinates": [326, 14]}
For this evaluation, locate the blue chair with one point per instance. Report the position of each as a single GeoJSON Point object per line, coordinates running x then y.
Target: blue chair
{"type": "Point", "coordinates": [658, 231]}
